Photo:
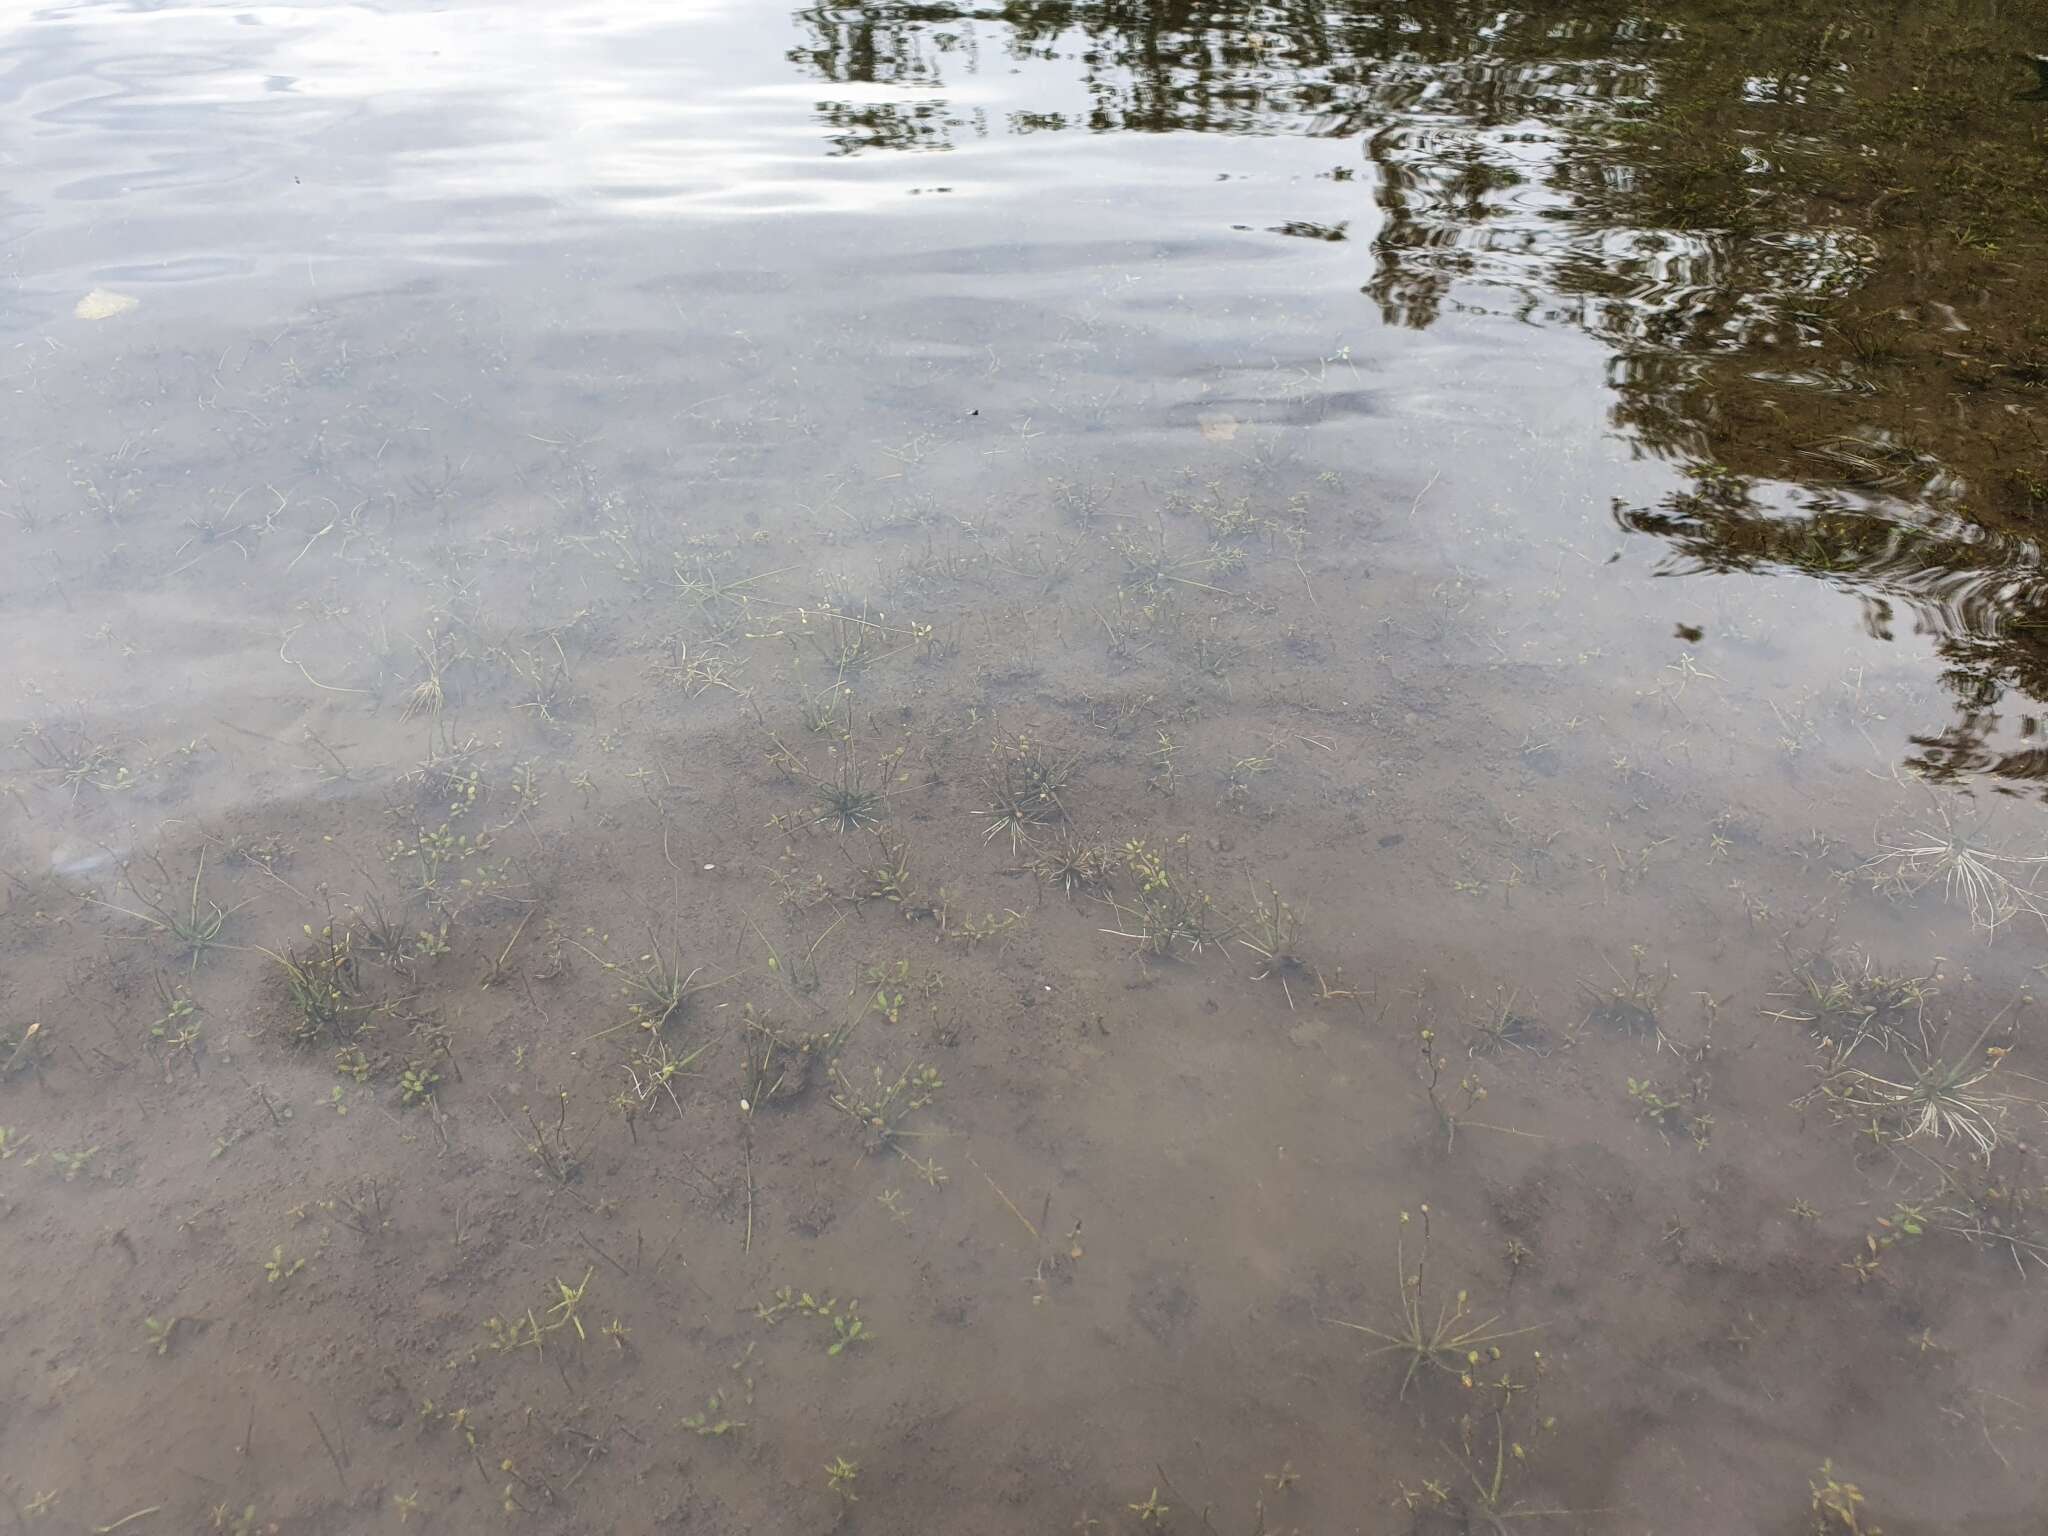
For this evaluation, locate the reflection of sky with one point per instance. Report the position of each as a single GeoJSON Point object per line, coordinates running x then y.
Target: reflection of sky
{"type": "Point", "coordinates": [148, 146]}
{"type": "Point", "coordinates": [329, 148]}
{"type": "Point", "coordinates": [570, 159]}
{"type": "Point", "coordinates": [322, 150]}
{"type": "Point", "coordinates": [193, 142]}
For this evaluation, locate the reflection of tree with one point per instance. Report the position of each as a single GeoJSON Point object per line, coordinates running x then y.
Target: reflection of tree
{"type": "Point", "coordinates": [1815, 240]}
{"type": "Point", "coordinates": [1742, 198]}
{"type": "Point", "coordinates": [1217, 67]}
{"type": "Point", "coordinates": [858, 125]}
{"type": "Point", "coordinates": [1982, 596]}
{"type": "Point", "coordinates": [876, 45]}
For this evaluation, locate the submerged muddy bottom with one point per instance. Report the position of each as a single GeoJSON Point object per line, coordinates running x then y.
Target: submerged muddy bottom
{"type": "Point", "coordinates": [779, 773]}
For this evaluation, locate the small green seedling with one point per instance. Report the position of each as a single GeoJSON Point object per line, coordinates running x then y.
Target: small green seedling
{"type": "Point", "coordinates": [72, 1164]}
{"type": "Point", "coordinates": [847, 1330]}
{"type": "Point", "coordinates": [563, 1313]}
{"type": "Point", "coordinates": [882, 1109]}
{"type": "Point", "coordinates": [844, 1326]}
{"type": "Point", "coordinates": [525, 1330]}
{"type": "Point", "coordinates": [178, 1027]}
{"type": "Point", "coordinates": [1455, 1342]}
{"type": "Point", "coordinates": [416, 1083]}
{"type": "Point", "coordinates": [839, 1478]}
{"type": "Point", "coordinates": [1837, 1506]}
{"type": "Point", "coordinates": [1669, 1114]}
{"type": "Point", "coordinates": [712, 1422]}
{"type": "Point", "coordinates": [1151, 1512]}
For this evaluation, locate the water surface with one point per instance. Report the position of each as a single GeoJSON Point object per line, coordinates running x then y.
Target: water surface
{"type": "Point", "coordinates": [900, 766]}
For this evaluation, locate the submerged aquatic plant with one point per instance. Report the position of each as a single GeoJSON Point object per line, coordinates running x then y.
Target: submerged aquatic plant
{"type": "Point", "coordinates": [1992, 885]}
{"type": "Point", "coordinates": [1934, 1097]}
{"type": "Point", "coordinates": [1273, 932]}
{"type": "Point", "coordinates": [846, 804]}
{"type": "Point", "coordinates": [1075, 864]}
{"type": "Point", "coordinates": [1024, 794]}
{"type": "Point", "coordinates": [1846, 1003]}
{"type": "Point", "coordinates": [1453, 1340]}
{"type": "Point", "coordinates": [195, 924]}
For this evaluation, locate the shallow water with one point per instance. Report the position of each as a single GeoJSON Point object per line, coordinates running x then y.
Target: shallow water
{"type": "Point", "coordinates": [1165, 690]}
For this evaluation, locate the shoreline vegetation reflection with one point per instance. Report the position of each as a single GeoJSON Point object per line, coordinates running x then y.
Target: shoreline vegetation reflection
{"type": "Point", "coordinates": [1811, 237]}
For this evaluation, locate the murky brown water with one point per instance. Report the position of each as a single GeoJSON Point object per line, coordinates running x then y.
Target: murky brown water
{"type": "Point", "coordinates": [900, 767]}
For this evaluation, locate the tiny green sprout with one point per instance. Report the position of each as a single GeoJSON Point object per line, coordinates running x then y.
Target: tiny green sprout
{"type": "Point", "coordinates": [520, 1480]}
{"type": "Point", "coordinates": [1285, 1478]}
{"type": "Point", "coordinates": [847, 1329]}
{"type": "Point", "coordinates": [337, 1099]}
{"type": "Point", "coordinates": [40, 1504]}
{"type": "Point", "coordinates": [1431, 1495]}
{"type": "Point", "coordinates": [616, 1331]}
{"type": "Point", "coordinates": [72, 1164]}
{"type": "Point", "coordinates": [712, 1421]}
{"type": "Point", "coordinates": [417, 1082]}
{"type": "Point", "coordinates": [179, 1027]}
{"type": "Point", "coordinates": [563, 1312]}
{"type": "Point", "coordinates": [839, 1478]}
{"type": "Point", "coordinates": [10, 1142]}
{"type": "Point", "coordinates": [1151, 1512]}
{"type": "Point", "coordinates": [408, 1505]}
{"type": "Point", "coordinates": [160, 1333]}
{"type": "Point", "coordinates": [277, 1270]}
{"type": "Point", "coordinates": [1837, 1506]}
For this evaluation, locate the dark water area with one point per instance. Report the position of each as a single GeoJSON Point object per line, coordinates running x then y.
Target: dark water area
{"type": "Point", "coordinates": [1072, 767]}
